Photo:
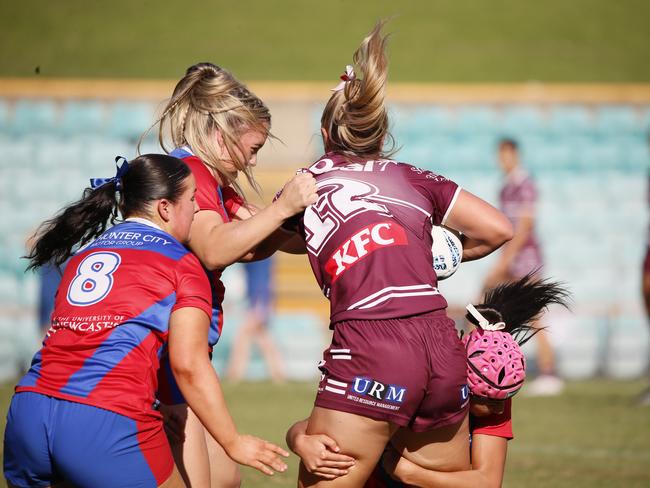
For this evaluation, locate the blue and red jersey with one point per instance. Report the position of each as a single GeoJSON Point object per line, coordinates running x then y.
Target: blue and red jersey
{"type": "Point", "coordinates": [223, 200]}
{"type": "Point", "coordinates": [111, 319]}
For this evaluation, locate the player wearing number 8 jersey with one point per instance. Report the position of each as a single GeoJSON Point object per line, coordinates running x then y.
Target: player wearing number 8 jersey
{"type": "Point", "coordinates": [395, 369]}
{"type": "Point", "coordinates": [84, 413]}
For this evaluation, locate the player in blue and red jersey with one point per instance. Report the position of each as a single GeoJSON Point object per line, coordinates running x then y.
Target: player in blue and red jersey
{"type": "Point", "coordinates": [368, 238]}
{"type": "Point", "coordinates": [84, 413]}
{"type": "Point", "coordinates": [217, 126]}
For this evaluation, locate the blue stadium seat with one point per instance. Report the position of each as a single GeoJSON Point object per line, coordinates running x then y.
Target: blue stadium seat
{"type": "Point", "coordinates": [522, 120]}
{"type": "Point", "coordinates": [635, 154]}
{"type": "Point", "coordinates": [82, 117]}
{"type": "Point", "coordinates": [100, 152]}
{"type": "Point", "coordinates": [570, 120]}
{"type": "Point", "coordinates": [628, 347]}
{"type": "Point", "coordinates": [548, 154]}
{"type": "Point", "coordinates": [54, 153]}
{"type": "Point", "coordinates": [17, 151]}
{"type": "Point", "coordinates": [9, 365]}
{"type": "Point", "coordinates": [4, 116]}
{"type": "Point", "coordinates": [473, 153]}
{"type": "Point", "coordinates": [476, 120]}
{"type": "Point", "coordinates": [579, 354]}
{"type": "Point", "coordinates": [129, 120]}
{"type": "Point", "coordinates": [422, 122]}
{"type": "Point", "coordinates": [596, 154]}
{"type": "Point", "coordinates": [617, 120]}
{"type": "Point", "coordinates": [31, 116]}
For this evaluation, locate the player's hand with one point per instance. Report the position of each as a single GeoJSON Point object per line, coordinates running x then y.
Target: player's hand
{"type": "Point", "coordinates": [298, 193]}
{"type": "Point", "coordinates": [398, 467]}
{"type": "Point", "coordinates": [320, 456]}
{"type": "Point", "coordinates": [257, 453]}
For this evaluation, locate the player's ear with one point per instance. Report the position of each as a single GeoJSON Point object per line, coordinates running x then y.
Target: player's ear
{"type": "Point", "coordinates": [326, 137]}
{"type": "Point", "coordinates": [220, 142]}
{"type": "Point", "coordinates": [164, 209]}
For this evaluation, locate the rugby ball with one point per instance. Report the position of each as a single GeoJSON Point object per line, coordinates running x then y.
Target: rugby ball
{"type": "Point", "coordinates": [447, 252]}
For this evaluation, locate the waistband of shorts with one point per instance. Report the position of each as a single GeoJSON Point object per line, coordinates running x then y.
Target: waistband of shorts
{"type": "Point", "coordinates": [430, 315]}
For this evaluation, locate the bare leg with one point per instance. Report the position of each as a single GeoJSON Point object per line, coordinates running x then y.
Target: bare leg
{"type": "Point", "coordinates": [191, 454]}
{"type": "Point", "coordinates": [357, 436]}
{"type": "Point", "coordinates": [545, 354]}
{"type": "Point", "coordinates": [270, 353]}
{"type": "Point", "coordinates": [443, 449]}
{"type": "Point", "coordinates": [174, 481]}
{"type": "Point", "coordinates": [224, 472]}
{"type": "Point", "coordinates": [240, 353]}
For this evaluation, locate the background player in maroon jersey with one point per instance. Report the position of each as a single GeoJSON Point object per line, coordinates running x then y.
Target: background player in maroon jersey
{"type": "Point", "coordinates": [217, 126]}
{"type": "Point", "coordinates": [84, 413]}
{"type": "Point", "coordinates": [396, 368]}
{"type": "Point", "coordinates": [522, 255]}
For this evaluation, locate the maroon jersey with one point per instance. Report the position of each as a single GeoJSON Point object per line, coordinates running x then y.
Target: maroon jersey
{"type": "Point", "coordinates": [368, 236]}
{"type": "Point", "coordinates": [518, 198]}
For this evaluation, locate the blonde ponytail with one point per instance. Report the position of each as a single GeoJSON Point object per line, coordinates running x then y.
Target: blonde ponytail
{"type": "Point", "coordinates": [355, 117]}
{"type": "Point", "coordinates": [210, 99]}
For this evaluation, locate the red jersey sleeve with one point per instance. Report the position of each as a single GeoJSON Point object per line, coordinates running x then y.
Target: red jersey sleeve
{"type": "Point", "coordinates": [231, 200]}
{"type": "Point", "coordinates": [496, 425]}
{"type": "Point", "coordinates": [192, 285]}
{"type": "Point", "coordinates": [441, 191]}
{"type": "Point", "coordinates": [207, 194]}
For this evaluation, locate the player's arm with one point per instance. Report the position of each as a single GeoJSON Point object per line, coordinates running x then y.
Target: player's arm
{"type": "Point", "coordinates": [280, 240]}
{"type": "Point", "coordinates": [523, 229]}
{"type": "Point", "coordinates": [199, 383]}
{"type": "Point", "coordinates": [488, 463]}
{"type": "Point", "coordinates": [319, 453]}
{"type": "Point", "coordinates": [484, 227]}
{"type": "Point", "coordinates": [219, 244]}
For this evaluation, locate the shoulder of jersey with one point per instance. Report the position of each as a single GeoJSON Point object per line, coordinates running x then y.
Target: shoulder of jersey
{"type": "Point", "coordinates": [151, 239]}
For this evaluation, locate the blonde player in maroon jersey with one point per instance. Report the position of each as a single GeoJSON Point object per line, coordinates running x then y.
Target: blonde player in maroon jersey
{"type": "Point", "coordinates": [216, 125]}
{"type": "Point", "coordinates": [496, 370]}
{"type": "Point", "coordinates": [396, 369]}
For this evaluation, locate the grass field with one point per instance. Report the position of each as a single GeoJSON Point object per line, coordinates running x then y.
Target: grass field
{"type": "Point", "coordinates": [434, 40]}
{"type": "Point", "coordinates": [591, 437]}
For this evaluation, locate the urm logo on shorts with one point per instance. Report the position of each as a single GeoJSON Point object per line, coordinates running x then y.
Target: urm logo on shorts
{"type": "Point", "coordinates": [378, 390]}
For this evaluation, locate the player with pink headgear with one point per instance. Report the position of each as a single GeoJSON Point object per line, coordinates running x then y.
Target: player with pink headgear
{"type": "Point", "coordinates": [496, 370]}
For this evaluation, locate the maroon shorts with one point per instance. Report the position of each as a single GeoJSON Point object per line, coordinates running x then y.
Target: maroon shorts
{"type": "Point", "coordinates": [409, 371]}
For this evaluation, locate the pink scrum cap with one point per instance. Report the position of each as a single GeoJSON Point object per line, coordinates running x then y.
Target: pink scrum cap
{"type": "Point", "coordinates": [496, 367]}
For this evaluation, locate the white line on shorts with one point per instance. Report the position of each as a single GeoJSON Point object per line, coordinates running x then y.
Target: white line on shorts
{"type": "Point", "coordinates": [337, 383]}
{"type": "Point", "coordinates": [339, 350]}
{"type": "Point", "coordinates": [335, 390]}
{"type": "Point", "coordinates": [342, 356]}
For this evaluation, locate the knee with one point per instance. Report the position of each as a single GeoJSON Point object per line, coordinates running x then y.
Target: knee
{"type": "Point", "coordinates": [225, 478]}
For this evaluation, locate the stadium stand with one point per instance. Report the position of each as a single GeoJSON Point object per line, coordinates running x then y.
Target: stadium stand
{"type": "Point", "coordinates": [590, 161]}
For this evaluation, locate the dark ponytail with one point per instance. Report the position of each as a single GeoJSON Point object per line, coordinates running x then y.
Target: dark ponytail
{"type": "Point", "coordinates": [149, 177]}
{"type": "Point", "coordinates": [519, 303]}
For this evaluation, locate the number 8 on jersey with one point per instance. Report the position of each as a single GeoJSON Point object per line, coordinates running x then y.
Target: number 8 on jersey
{"type": "Point", "coordinates": [94, 279]}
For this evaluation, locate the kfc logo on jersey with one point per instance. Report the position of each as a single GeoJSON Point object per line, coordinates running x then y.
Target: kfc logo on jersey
{"type": "Point", "coordinates": [363, 243]}
{"type": "Point", "coordinates": [378, 390]}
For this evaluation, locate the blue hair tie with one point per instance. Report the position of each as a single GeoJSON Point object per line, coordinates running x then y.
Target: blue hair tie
{"type": "Point", "coordinates": [121, 171]}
